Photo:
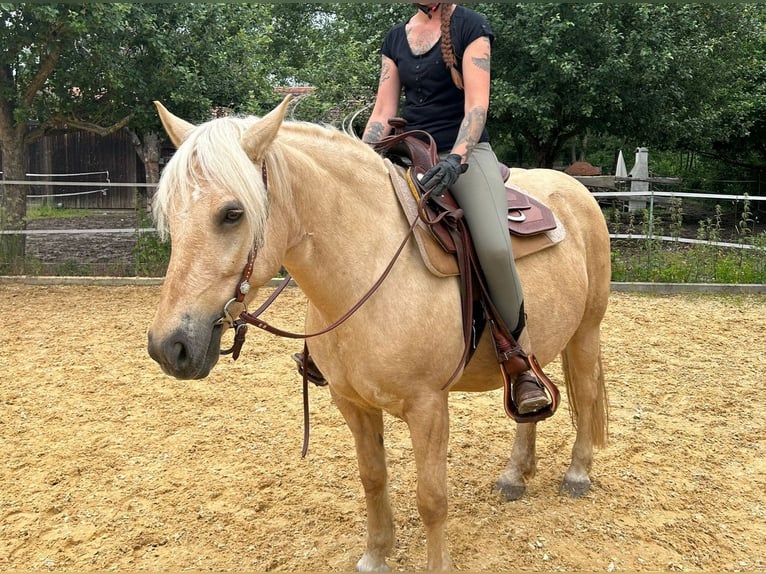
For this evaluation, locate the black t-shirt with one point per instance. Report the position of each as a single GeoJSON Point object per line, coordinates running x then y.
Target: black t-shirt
{"type": "Point", "coordinates": [432, 102]}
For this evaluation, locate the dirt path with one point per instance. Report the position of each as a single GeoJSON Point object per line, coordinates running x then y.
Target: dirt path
{"type": "Point", "coordinates": [108, 464]}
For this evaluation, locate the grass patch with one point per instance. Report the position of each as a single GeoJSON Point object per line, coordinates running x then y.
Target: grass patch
{"type": "Point", "coordinates": [150, 253]}
{"type": "Point", "coordinates": [52, 212]}
{"type": "Point", "coordinates": [656, 260]}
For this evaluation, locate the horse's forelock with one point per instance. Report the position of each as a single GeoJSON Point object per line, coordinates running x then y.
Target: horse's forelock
{"type": "Point", "coordinates": [212, 158]}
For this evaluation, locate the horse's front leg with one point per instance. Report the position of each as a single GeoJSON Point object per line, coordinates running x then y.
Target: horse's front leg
{"type": "Point", "coordinates": [522, 465]}
{"type": "Point", "coordinates": [428, 421]}
{"type": "Point", "coordinates": [366, 424]}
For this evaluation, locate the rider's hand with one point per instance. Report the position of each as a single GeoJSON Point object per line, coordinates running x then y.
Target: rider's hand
{"type": "Point", "coordinates": [443, 175]}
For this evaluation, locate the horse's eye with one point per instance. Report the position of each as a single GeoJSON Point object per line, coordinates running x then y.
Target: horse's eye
{"type": "Point", "coordinates": [233, 215]}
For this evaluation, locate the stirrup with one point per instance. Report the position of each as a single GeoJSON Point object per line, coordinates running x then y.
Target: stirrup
{"type": "Point", "coordinates": [551, 392]}
{"type": "Point", "coordinates": [313, 373]}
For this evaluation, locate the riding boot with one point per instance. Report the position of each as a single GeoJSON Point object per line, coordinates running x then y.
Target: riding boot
{"type": "Point", "coordinates": [528, 393]}
{"type": "Point", "coordinates": [313, 373]}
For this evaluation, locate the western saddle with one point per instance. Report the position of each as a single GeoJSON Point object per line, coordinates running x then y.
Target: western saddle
{"type": "Point", "coordinates": [416, 151]}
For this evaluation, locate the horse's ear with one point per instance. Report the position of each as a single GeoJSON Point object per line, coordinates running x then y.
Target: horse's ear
{"type": "Point", "coordinates": [258, 138]}
{"type": "Point", "coordinates": [177, 129]}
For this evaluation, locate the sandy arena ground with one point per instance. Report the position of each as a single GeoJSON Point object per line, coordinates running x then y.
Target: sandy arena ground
{"type": "Point", "coordinates": [107, 464]}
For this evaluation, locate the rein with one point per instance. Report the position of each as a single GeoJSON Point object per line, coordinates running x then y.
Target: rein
{"type": "Point", "coordinates": [254, 318]}
{"type": "Point", "coordinates": [245, 318]}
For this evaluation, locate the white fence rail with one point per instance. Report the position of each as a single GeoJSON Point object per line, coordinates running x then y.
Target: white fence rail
{"type": "Point", "coordinates": [649, 195]}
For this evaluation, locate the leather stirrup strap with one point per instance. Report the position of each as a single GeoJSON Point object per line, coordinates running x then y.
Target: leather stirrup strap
{"type": "Point", "coordinates": [514, 360]}
{"type": "Point", "coordinates": [305, 448]}
{"type": "Point", "coordinates": [459, 232]}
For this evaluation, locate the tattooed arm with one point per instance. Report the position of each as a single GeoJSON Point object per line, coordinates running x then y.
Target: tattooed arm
{"type": "Point", "coordinates": [386, 102]}
{"type": "Point", "coordinates": [476, 68]}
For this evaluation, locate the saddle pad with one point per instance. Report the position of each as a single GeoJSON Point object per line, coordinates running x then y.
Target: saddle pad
{"type": "Point", "coordinates": [438, 261]}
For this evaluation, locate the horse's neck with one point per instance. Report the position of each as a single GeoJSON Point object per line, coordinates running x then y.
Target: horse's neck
{"type": "Point", "coordinates": [348, 223]}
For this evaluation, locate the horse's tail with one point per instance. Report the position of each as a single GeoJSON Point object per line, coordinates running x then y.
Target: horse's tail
{"type": "Point", "coordinates": [599, 416]}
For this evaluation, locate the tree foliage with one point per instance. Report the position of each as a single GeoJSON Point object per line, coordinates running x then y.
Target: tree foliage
{"type": "Point", "coordinates": [99, 66]}
{"type": "Point", "coordinates": [660, 74]}
{"type": "Point", "coordinates": [684, 76]}
{"type": "Point", "coordinates": [335, 48]}
{"type": "Point", "coordinates": [41, 48]}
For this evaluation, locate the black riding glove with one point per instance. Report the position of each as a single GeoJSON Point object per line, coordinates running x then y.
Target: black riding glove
{"type": "Point", "coordinates": [443, 175]}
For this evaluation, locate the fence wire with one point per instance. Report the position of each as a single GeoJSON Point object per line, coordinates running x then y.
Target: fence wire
{"type": "Point", "coordinates": [77, 247]}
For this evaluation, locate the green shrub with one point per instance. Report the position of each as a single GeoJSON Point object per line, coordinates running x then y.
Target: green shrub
{"type": "Point", "coordinates": [150, 253]}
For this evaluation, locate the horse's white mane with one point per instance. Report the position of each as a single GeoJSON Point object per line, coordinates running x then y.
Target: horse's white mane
{"type": "Point", "coordinates": [212, 158]}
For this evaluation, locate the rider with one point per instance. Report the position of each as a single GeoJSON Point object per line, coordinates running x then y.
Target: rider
{"type": "Point", "coordinates": [441, 58]}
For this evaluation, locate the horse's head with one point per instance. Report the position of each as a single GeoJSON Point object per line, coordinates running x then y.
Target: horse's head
{"type": "Point", "coordinates": [212, 200]}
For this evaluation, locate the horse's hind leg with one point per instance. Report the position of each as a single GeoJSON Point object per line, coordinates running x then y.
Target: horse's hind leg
{"type": "Point", "coordinates": [367, 428]}
{"type": "Point", "coordinates": [581, 363]}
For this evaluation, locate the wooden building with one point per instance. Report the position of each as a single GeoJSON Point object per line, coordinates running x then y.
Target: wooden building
{"type": "Point", "coordinates": [90, 161]}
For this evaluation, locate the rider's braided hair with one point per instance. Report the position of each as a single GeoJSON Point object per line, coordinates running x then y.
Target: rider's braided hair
{"type": "Point", "coordinates": [448, 54]}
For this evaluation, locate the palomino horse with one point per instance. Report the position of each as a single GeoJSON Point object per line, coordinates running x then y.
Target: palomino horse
{"type": "Point", "coordinates": [321, 204]}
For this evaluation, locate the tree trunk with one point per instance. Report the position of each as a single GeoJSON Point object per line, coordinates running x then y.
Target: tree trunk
{"type": "Point", "coordinates": [583, 146]}
{"type": "Point", "coordinates": [14, 204]}
{"type": "Point", "coordinates": [546, 151]}
{"type": "Point", "coordinates": [544, 157]}
{"type": "Point", "coordinates": [152, 157]}
{"type": "Point", "coordinates": [13, 207]}
{"type": "Point", "coordinates": [149, 151]}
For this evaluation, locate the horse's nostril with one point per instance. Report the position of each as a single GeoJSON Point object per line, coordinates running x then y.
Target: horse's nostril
{"type": "Point", "coordinates": [179, 352]}
{"type": "Point", "coordinates": [172, 354]}
{"type": "Point", "coordinates": [186, 353]}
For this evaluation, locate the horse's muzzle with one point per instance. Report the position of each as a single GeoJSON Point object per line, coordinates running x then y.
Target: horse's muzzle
{"type": "Point", "coordinates": [184, 354]}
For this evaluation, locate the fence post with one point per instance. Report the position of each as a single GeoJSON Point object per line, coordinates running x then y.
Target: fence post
{"type": "Point", "coordinates": [640, 171]}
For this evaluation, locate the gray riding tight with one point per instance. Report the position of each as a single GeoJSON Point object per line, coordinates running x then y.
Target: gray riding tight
{"type": "Point", "coordinates": [480, 191]}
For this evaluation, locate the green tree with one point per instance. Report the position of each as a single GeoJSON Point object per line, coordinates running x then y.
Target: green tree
{"type": "Point", "coordinates": [661, 74]}
{"type": "Point", "coordinates": [196, 59]}
{"type": "Point", "coordinates": [747, 111]}
{"type": "Point", "coordinates": [336, 49]}
{"type": "Point", "coordinates": [39, 44]}
{"type": "Point", "coordinates": [98, 66]}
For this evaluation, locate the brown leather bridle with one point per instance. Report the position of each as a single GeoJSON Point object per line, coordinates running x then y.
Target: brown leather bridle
{"type": "Point", "coordinates": [245, 318]}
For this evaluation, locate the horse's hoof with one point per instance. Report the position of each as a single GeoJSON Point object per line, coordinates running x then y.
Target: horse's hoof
{"type": "Point", "coordinates": [575, 489]}
{"type": "Point", "coordinates": [509, 491]}
{"type": "Point", "coordinates": [368, 564]}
